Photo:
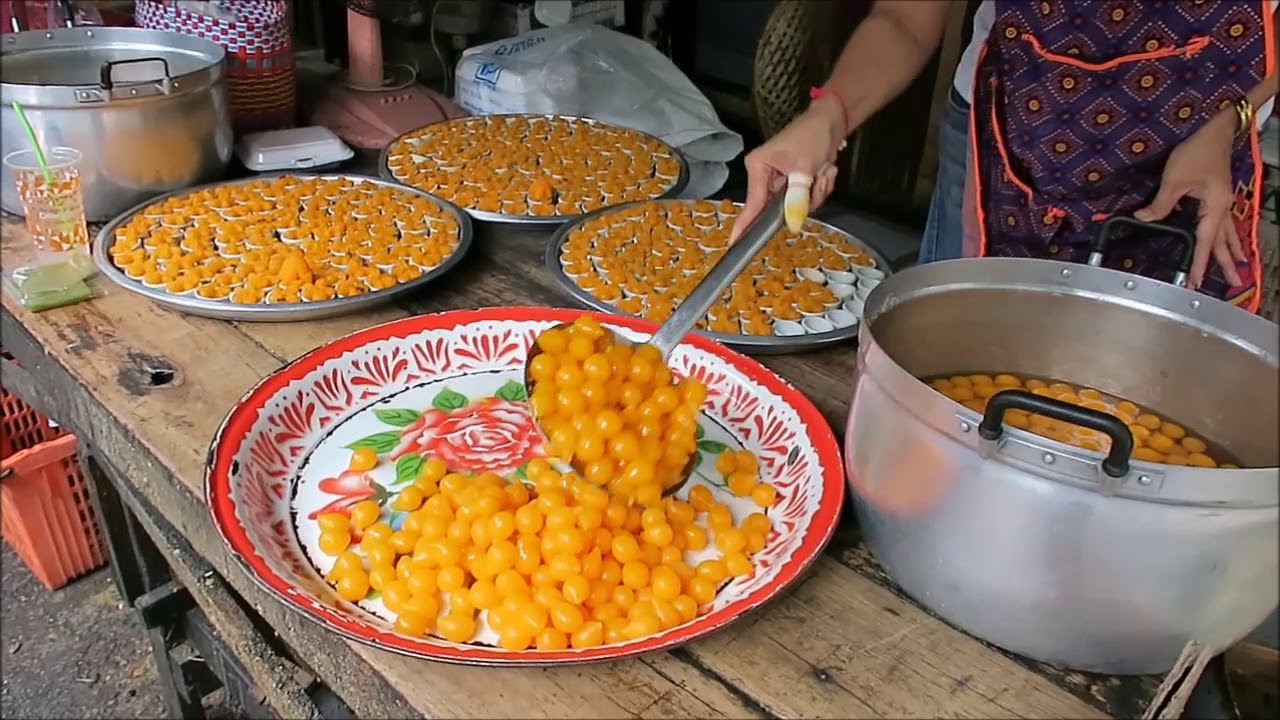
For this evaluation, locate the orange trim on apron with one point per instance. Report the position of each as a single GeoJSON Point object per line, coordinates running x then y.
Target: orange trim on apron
{"type": "Point", "coordinates": [974, 157]}
{"type": "Point", "coordinates": [1269, 37]}
{"type": "Point", "coordinates": [1190, 49]}
{"type": "Point", "coordinates": [1252, 300]}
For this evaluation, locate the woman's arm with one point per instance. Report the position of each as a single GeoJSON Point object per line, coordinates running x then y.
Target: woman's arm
{"type": "Point", "coordinates": [882, 57]}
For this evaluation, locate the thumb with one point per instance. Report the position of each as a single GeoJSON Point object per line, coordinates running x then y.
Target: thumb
{"type": "Point", "coordinates": [1162, 206]}
{"type": "Point", "coordinates": [758, 181]}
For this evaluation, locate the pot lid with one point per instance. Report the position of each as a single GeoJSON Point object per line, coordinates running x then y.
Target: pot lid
{"type": "Point", "coordinates": [78, 57]}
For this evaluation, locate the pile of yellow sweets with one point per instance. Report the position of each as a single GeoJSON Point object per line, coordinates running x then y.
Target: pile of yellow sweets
{"type": "Point", "coordinates": [643, 259]}
{"type": "Point", "coordinates": [531, 165]}
{"type": "Point", "coordinates": [553, 564]}
{"type": "Point", "coordinates": [1156, 439]}
{"type": "Point", "coordinates": [614, 410]}
{"type": "Point", "coordinates": [285, 239]}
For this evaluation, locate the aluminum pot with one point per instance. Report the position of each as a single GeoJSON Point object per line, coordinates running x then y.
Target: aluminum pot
{"type": "Point", "coordinates": [1059, 554]}
{"type": "Point", "coordinates": [147, 110]}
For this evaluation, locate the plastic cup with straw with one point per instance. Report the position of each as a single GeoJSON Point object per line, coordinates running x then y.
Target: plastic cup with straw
{"type": "Point", "coordinates": [43, 286]}
{"type": "Point", "coordinates": [43, 161]}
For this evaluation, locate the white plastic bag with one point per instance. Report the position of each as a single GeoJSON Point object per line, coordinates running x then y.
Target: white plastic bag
{"type": "Point", "coordinates": [592, 71]}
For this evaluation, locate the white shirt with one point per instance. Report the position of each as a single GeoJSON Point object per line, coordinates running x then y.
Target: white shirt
{"type": "Point", "coordinates": [985, 17]}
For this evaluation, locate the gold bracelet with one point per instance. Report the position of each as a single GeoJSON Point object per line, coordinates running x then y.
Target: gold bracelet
{"type": "Point", "coordinates": [1244, 113]}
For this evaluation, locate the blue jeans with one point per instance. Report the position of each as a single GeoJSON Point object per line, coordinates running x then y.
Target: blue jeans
{"type": "Point", "coordinates": [943, 231]}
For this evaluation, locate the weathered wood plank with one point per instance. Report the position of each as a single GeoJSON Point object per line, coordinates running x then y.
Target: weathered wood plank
{"type": "Point", "coordinates": [624, 689]}
{"type": "Point", "coordinates": [843, 644]}
{"type": "Point", "coordinates": [150, 387]}
{"type": "Point", "coordinates": [67, 399]}
{"type": "Point", "coordinates": [117, 342]}
{"type": "Point", "coordinates": [160, 432]}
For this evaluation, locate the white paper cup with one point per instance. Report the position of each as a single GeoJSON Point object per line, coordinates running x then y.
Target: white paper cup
{"type": "Point", "coordinates": [842, 318]}
{"type": "Point", "coordinates": [868, 283]}
{"type": "Point", "coordinates": [868, 273]}
{"type": "Point", "coordinates": [862, 293]}
{"type": "Point", "coordinates": [842, 291]}
{"type": "Point", "coordinates": [817, 324]}
{"type": "Point", "coordinates": [811, 275]}
{"type": "Point", "coordinates": [854, 305]}
{"type": "Point", "coordinates": [787, 328]}
{"type": "Point", "coordinates": [840, 277]}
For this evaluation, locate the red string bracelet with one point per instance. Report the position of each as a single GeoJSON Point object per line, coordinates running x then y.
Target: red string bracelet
{"type": "Point", "coordinates": [817, 92]}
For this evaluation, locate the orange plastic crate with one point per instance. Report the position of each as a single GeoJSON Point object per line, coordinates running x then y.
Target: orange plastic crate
{"type": "Point", "coordinates": [45, 511]}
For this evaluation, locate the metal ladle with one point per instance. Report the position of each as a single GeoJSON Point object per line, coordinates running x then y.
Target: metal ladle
{"type": "Point", "coordinates": [694, 307]}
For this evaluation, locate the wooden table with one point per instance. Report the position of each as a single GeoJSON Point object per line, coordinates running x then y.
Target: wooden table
{"type": "Point", "coordinates": [145, 389]}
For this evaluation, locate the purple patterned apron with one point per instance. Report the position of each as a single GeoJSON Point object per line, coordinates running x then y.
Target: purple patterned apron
{"type": "Point", "coordinates": [1077, 106]}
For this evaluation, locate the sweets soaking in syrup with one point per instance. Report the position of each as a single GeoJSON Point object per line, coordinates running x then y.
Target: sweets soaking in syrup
{"type": "Point", "coordinates": [1156, 439]}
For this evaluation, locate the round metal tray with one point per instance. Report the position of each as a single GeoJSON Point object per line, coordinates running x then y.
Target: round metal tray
{"type": "Point", "coordinates": [753, 344]}
{"type": "Point", "coordinates": [540, 220]}
{"type": "Point", "coordinates": [278, 312]}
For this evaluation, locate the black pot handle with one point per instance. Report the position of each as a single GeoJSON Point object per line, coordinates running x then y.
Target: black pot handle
{"type": "Point", "coordinates": [1181, 225]}
{"type": "Point", "coordinates": [107, 82]}
{"type": "Point", "coordinates": [68, 13]}
{"type": "Point", "coordinates": [1116, 464]}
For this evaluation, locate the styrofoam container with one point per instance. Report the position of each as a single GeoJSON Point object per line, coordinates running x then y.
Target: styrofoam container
{"type": "Point", "coordinates": [300, 148]}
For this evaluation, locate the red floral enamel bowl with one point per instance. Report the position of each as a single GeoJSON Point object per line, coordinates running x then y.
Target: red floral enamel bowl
{"type": "Point", "coordinates": [449, 386]}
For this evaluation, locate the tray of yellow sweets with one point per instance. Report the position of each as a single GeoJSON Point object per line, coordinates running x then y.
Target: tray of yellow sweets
{"type": "Point", "coordinates": [534, 169]}
{"type": "Point", "coordinates": [802, 291]}
{"type": "Point", "coordinates": [282, 248]}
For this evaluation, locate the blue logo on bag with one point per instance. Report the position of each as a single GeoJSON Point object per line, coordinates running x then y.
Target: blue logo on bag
{"type": "Point", "coordinates": [488, 73]}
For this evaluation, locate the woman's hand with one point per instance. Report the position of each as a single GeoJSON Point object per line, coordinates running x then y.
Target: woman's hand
{"type": "Point", "coordinates": [808, 144]}
{"type": "Point", "coordinates": [1200, 167]}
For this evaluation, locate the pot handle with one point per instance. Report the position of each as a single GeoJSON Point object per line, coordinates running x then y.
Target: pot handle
{"type": "Point", "coordinates": [107, 83]}
{"type": "Point", "coordinates": [68, 13]}
{"type": "Point", "coordinates": [1115, 464]}
{"type": "Point", "coordinates": [1180, 224]}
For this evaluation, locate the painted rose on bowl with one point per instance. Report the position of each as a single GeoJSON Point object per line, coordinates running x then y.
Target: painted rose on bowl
{"type": "Point", "coordinates": [491, 434]}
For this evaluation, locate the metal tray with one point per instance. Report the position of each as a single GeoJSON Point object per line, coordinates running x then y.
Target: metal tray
{"type": "Point", "coordinates": [753, 344]}
{"type": "Point", "coordinates": [279, 312]}
{"type": "Point", "coordinates": [539, 220]}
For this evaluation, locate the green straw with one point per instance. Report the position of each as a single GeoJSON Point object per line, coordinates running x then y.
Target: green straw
{"type": "Point", "coordinates": [35, 144]}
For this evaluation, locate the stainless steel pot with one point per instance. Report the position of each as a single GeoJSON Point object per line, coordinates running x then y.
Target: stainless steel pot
{"type": "Point", "coordinates": [1059, 554]}
{"type": "Point", "coordinates": [147, 110]}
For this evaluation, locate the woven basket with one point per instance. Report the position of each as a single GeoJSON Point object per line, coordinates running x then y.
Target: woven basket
{"type": "Point", "coordinates": [796, 51]}
{"type": "Point", "coordinates": [261, 76]}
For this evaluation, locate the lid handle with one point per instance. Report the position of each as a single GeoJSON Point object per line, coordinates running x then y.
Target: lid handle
{"type": "Point", "coordinates": [107, 81]}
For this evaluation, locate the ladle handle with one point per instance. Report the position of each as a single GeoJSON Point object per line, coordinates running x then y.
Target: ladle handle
{"type": "Point", "coordinates": [731, 265]}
